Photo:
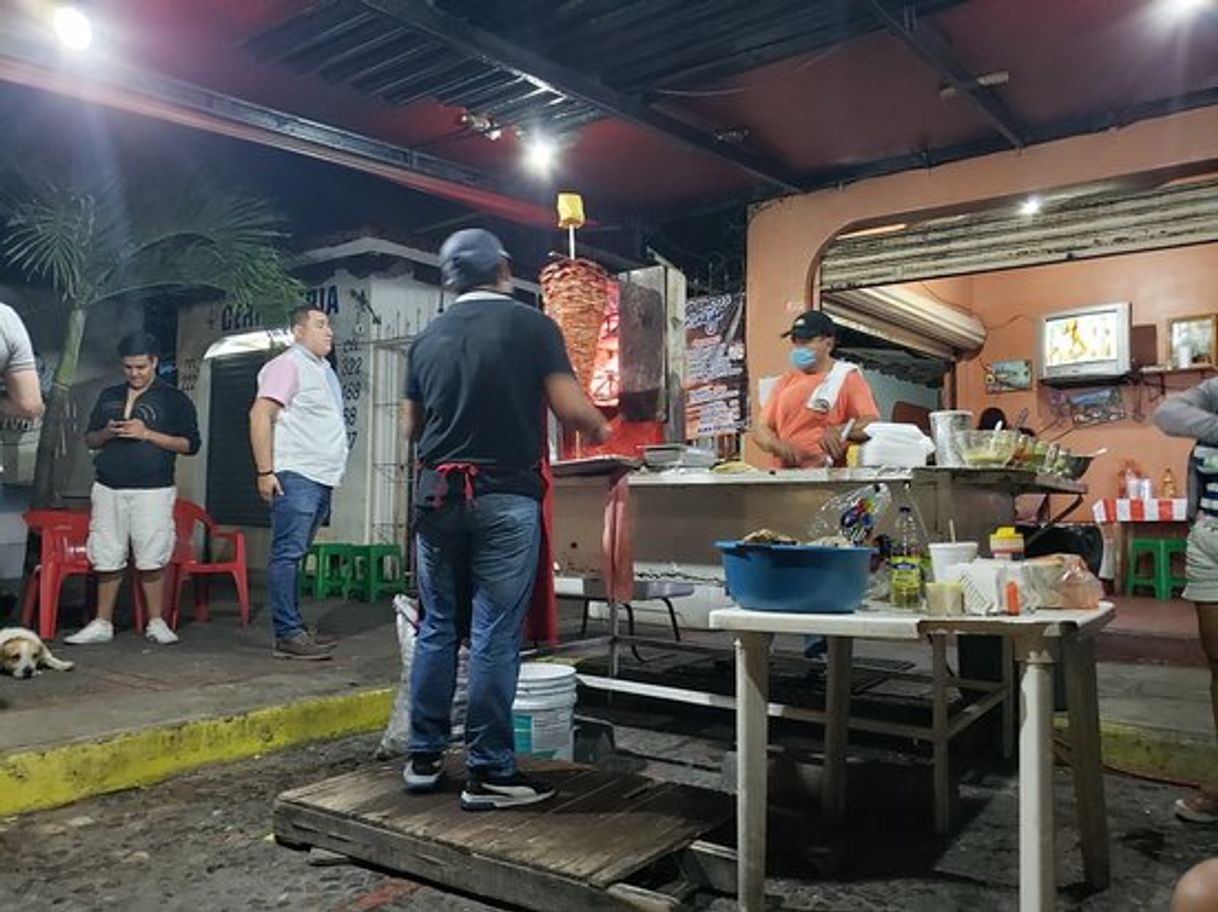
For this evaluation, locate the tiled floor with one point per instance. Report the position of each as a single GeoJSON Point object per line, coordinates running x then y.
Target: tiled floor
{"type": "Point", "coordinates": [1148, 630]}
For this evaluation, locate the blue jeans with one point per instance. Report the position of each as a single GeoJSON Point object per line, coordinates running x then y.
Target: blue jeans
{"type": "Point", "coordinates": [484, 550]}
{"type": "Point", "coordinates": [295, 516]}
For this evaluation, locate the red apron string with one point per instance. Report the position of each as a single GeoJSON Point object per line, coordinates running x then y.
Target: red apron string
{"type": "Point", "coordinates": [467, 470]}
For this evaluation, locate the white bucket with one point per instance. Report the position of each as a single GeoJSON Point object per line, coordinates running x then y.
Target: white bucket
{"type": "Point", "coordinates": [544, 710]}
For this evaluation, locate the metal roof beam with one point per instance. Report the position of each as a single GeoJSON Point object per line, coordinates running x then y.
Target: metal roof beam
{"type": "Point", "coordinates": [483, 45]}
{"type": "Point", "coordinates": [925, 41]}
{"type": "Point", "coordinates": [141, 92]}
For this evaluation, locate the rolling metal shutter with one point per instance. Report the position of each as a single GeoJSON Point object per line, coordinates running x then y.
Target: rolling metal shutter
{"type": "Point", "coordinates": [1079, 227]}
{"type": "Point", "coordinates": [907, 318]}
{"type": "Point", "coordinates": [232, 496]}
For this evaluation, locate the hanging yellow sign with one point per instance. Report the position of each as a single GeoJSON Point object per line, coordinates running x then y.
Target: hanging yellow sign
{"type": "Point", "coordinates": [570, 210]}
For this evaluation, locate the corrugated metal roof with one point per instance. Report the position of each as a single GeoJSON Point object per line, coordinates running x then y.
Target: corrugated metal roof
{"type": "Point", "coordinates": [640, 48]}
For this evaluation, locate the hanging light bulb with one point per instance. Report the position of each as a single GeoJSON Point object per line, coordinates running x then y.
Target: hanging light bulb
{"type": "Point", "coordinates": [540, 153]}
{"type": "Point", "coordinates": [72, 27]}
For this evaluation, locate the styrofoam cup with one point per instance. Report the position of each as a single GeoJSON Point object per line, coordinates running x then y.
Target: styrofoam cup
{"type": "Point", "coordinates": [947, 554]}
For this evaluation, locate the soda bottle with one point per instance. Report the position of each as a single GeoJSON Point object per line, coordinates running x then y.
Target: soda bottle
{"type": "Point", "coordinates": [906, 562]}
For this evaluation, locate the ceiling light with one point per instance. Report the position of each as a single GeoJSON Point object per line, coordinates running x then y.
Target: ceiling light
{"type": "Point", "coordinates": [72, 27]}
{"type": "Point", "coordinates": [984, 81]}
{"type": "Point", "coordinates": [1180, 9]}
{"type": "Point", "coordinates": [1030, 206]}
{"type": "Point", "coordinates": [540, 153]}
{"type": "Point", "coordinates": [482, 124]}
{"type": "Point", "coordinates": [732, 135]}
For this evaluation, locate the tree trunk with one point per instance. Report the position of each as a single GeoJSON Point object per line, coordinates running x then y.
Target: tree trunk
{"type": "Point", "coordinates": [52, 442]}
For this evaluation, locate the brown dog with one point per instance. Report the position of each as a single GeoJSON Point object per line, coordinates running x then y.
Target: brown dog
{"type": "Point", "coordinates": [22, 654]}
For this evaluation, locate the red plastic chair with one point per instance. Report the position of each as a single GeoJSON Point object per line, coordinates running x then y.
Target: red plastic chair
{"type": "Point", "coordinates": [186, 563]}
{"type": "Point", "coordinates": [65, 534]}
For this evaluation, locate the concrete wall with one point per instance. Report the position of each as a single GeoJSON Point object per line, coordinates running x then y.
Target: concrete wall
{"type": "Point", "coordinates": [370, 358]}
{"type": "Point", "coordinates": [890, 390]}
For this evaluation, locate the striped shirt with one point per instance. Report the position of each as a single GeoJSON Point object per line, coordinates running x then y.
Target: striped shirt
{"type": "Point", "coordinates": [1203, 479]}
{"type": "Point", "coordinates": [1194, 414]}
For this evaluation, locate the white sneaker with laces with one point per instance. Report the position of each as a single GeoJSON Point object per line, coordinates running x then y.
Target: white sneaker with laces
{"type": "Point", "coordinates": [158, 632]}
{"type": "Point", "coordinates": [96, 631]}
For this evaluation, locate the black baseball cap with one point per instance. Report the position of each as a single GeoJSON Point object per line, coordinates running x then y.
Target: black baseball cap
{"type": "Point", "coordinates": [470, 257]}
{"type": "Point", "coordinates": [810, 324]}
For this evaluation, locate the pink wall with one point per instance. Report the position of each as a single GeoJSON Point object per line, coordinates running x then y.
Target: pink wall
{"type": "Point", "coordinates": [787, 237]}
{"type": "Point", "coordinates": [1158, 284]}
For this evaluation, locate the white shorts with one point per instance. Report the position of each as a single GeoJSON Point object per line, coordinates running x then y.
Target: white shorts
{"type": "Point", "coordinates": [137, 518]}
{"type": "Point", "coordinates": [1202, 560]}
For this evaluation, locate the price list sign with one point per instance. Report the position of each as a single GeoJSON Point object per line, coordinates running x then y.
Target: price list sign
{"type": "Point", "coordinates": [716, 387]}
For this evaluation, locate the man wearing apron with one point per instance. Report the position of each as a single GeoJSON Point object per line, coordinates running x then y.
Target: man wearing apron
{"type": "Point", "coordinates": [479, 379]}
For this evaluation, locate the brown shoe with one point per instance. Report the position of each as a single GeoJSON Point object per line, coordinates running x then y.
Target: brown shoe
{"type": "Point", "coordinates": [300, 646]}
{"type": "Point", "coordinates": [320, 639]}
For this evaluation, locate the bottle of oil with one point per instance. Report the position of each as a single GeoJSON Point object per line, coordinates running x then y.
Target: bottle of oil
{"type": "Point", "coordinates": [1167, 486]}
{"type": "Point", "coordinates": [905, 581]}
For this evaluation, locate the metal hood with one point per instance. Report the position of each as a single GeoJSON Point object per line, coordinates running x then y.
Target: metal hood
{"type": "Point", "coordinates": [907, 318]}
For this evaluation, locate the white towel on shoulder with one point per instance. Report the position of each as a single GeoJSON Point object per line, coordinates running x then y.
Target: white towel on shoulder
{"type": "Point", "coordinates": [825, 395]}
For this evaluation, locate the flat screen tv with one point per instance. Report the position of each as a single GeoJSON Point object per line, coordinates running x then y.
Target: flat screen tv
{"type": "Point", "coordinates": [1085, 344]}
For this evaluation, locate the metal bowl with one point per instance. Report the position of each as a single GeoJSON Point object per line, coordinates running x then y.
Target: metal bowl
{"type": "Point", "coordinates": [1074, 467]}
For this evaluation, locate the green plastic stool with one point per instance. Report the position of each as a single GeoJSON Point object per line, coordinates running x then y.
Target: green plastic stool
{"type": "Point", "coordinates": [306, 573]}
{"type": "Point", "coordinates": [379, 571]}
{"type": "Point", "coordinates": [1160, 577]}
{"type": "Point", "coordinates": [335, 569]}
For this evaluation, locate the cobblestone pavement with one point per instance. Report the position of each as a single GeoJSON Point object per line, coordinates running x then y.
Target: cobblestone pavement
{"type": "Point", "coordinates": [201, 842]}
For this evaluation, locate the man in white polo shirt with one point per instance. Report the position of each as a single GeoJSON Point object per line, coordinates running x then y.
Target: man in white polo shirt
{"type": "Point", "coordinates": [300, 451]}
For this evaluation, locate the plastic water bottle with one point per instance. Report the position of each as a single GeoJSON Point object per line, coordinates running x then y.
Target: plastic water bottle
{"type": "Point", "coordinates": [905, 581]}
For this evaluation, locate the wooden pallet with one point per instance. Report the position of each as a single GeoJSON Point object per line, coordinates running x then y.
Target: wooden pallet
{"type": "Point", "coordinates": [575, 851]}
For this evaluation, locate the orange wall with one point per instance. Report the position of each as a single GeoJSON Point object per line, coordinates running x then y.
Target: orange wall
{"type": "Point", "coordinates": [1158, 284]}
{"type": "Point", "coordinates": [787, 237]}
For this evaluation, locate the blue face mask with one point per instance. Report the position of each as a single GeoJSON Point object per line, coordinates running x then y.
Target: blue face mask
{"type": "Point", "coordinates": [802, 358]}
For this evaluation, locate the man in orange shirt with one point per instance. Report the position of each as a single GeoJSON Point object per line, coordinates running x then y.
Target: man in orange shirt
{"type": "Point", "coordinates": [807, 410]}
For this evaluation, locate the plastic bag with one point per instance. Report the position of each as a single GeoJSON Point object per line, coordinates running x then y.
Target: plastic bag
{"type": "Point", "coordinates": [396, 737]}
{"type": "Point", "coordinates": [1077, 587]}
{"type": "Point", "coordinates": [854, 515]}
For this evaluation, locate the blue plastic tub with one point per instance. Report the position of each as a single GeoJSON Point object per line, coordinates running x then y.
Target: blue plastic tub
{"type": "Point", "coordinates": [805, 579]}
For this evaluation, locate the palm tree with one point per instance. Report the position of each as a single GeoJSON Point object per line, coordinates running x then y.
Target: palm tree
{"type": "Point", "coordinates": [101, 244]}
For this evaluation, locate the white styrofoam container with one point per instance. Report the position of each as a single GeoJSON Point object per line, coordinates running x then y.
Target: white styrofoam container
{"type": "Point", "coordinates": [898, 453]}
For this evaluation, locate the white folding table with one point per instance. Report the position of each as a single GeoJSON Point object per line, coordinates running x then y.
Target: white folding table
{"type": "Point", "coordinates": [1030, 635]}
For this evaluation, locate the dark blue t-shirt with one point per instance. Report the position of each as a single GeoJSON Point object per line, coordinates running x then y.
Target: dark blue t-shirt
{"type": "Point", "coordinates": [124, 463]}
{"type": "Point", "coordinates": [478, 370]}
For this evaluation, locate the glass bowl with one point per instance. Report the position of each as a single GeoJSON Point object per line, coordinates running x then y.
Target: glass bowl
{"type": "Point", "coordinates": [986, 449]}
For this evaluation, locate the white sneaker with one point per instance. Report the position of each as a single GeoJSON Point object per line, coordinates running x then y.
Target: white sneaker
{"type": "Point", "coordinates": [96, 631]}
{"type": "Point", "coordinates": [158, 631]}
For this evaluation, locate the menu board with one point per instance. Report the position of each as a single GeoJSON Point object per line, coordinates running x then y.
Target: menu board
{"type": "Point", "coordinates": [716, 386]}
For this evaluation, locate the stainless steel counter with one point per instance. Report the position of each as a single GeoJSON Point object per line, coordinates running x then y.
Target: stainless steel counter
{"type": "Point", "coordinates": [678, 515]}
{"type": "Point", "coordinates": [1025, 482]}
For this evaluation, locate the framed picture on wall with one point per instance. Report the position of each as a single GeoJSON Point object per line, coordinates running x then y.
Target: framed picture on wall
{"type": "Point", "coordinates": [1193, 340]}
{"type": "Point", "coordinates": [1008, 376]}
{"type": "Point", "coordinates": [1097, 406]}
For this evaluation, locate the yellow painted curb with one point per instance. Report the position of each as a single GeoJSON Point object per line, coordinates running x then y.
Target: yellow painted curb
{"type": "Point", "coordinates": [1155, 753]}
{"type": "Point", "coordinates": [39, 779]}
